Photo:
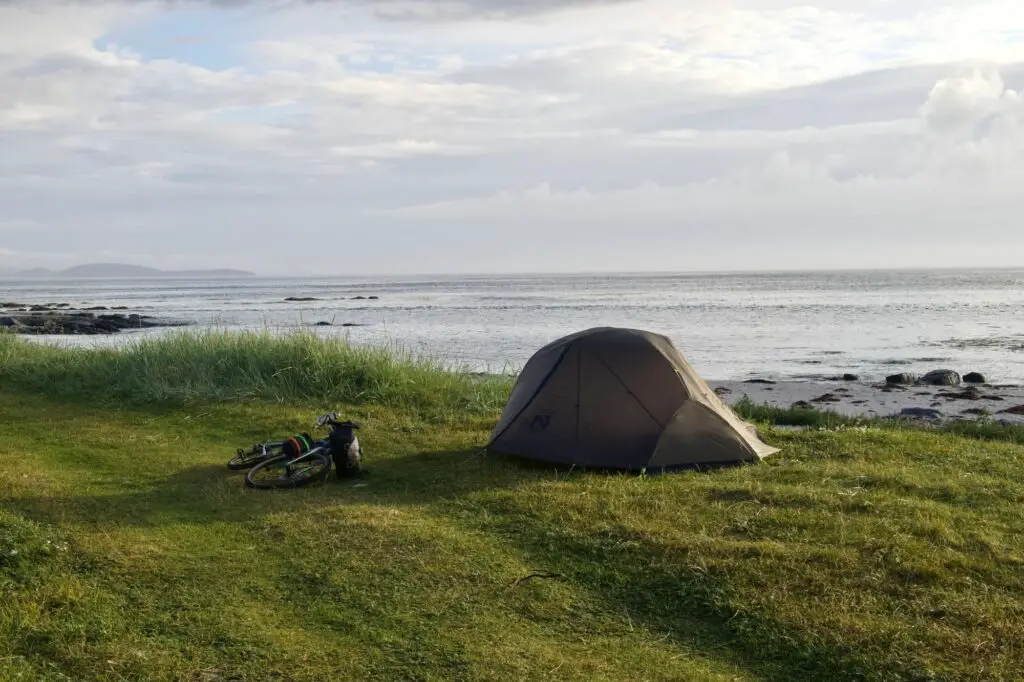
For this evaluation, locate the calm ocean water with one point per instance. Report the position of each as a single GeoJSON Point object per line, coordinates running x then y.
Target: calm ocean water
{"type": "Point", "coordinates": [730, 326]}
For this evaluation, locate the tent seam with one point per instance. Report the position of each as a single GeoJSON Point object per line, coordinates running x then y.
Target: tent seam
{"type": "Point", "coordinates": [540, 387]}
{"type": "Point", "coordinates": [634, 396]}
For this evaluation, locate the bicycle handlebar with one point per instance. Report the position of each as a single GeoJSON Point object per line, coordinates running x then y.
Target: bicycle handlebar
{"type": "Point", "coordinates": [331, 419]}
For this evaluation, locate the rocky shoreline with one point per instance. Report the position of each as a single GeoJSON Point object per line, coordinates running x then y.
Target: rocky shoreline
{"type": "Point", "coordinates": [938, 396]}
{"type": "Point", "coordinates": [63, 319]}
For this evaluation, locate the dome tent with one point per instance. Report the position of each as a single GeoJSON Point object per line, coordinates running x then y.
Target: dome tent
{"type": "Point", "coordinates": [619, 398]}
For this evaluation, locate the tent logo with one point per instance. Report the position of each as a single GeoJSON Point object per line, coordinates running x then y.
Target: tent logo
{"type": "Point", "coordinates": [540, 422]}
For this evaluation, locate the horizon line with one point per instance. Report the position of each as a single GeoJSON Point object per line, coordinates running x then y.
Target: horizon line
{"type": "Point", "coordinates": [21, 274]}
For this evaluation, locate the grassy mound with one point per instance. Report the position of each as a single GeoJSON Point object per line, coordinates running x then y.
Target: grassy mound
{"type": "Point", "coordinates": [207, 367]}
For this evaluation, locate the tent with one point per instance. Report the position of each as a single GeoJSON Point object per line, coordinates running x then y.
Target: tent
{"type": "Point", "coordinates": [620, 399]}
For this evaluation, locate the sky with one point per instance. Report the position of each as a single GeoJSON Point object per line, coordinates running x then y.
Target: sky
{"type": "Point", "coordinates": [473, 136]}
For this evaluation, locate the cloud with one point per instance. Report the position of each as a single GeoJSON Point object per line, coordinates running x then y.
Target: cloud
{"type": "Point", "coordinates": [963, 101]}
{"type": "Point", "coordinates": [612, 135]}
{"type": "Point", "coordinates": [392, 10]}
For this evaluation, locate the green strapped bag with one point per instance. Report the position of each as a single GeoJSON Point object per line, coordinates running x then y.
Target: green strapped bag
{"type": "Point", "coordinates": [298, 445]}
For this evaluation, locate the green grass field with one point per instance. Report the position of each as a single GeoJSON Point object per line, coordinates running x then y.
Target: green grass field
{"type": "Point", "coordinates": [129, 552]}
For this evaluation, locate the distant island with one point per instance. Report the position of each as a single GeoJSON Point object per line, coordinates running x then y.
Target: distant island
{"type": "Point", "coordinates": [122, 271]}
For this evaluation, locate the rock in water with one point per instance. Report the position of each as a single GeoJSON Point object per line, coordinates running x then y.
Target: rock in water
{"type": "Point", "coordinates": [920, 413]}
{"type": "Point", "coordinates": [1019, 409]}
{"type": "Point", "coordinates": [941, 377]}
{"type": "Point", "coordinates": [969, 393]}
{"type": "Point", "coordinates": [904, 378]}
{"type": "Point", "coordinates": [974, 378]}
{"type": "Point", "coordinates": [851, 377]}
{"type": "Point", "coordinates": [64, 322]}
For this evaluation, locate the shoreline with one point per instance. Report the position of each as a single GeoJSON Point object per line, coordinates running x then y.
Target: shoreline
{"type": "Point", "coordinates": [848, 396]}
{"type": "Point", "coordinates": [860, 399]}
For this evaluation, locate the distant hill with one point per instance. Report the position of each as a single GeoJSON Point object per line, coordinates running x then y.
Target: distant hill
{"type": "Point", "coordinates": [122, 271]}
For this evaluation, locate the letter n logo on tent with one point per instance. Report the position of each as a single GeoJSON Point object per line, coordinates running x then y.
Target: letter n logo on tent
{"type": "Point", "coordinates": [540, 422]}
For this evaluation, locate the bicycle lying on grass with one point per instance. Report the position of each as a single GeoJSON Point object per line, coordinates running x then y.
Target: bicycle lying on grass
{"type": "Point", "coordinates": [300, 459]}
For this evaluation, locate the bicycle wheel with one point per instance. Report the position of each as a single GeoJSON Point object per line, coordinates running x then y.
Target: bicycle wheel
{"type": "Point", "coordinates": [247, 460]}
{"type": "Point", "coordinates": [277, 473]}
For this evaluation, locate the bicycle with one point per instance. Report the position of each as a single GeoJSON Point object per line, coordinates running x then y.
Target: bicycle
{"type": "Point", "coordinates": [300, 460]}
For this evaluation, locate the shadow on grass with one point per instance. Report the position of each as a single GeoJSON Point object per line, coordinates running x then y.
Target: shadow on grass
{"type": "Point", "coordinates": [671, 594]}
{"type": "Point", "coordinates": [626, 573]}
{"type": "Point", "coordinates": [210, 493]}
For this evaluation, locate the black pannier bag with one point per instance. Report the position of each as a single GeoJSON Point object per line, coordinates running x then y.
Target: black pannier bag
{"type": "Point", "coordinates": [348, 456]}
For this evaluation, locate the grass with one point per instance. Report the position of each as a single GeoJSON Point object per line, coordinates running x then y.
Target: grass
{"type": "Point", "coordinates": [981, 428]}
{"type": "Point", "coordinates": [210, 367]}
{"type": "Point", "coordinates": [129, 552]}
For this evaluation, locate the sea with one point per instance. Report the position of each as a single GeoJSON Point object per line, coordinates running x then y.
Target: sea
{"type": "Point", "coordinates": [730, 326]}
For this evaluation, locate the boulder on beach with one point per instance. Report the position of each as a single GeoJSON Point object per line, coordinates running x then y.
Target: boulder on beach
{"type": "Point", "coordinates": [901, 379]}
{"type": "Point", "coordinates": [974, 378]}
{"type": "Point", "coordinates": [941, 377]}
{"type": "Point", "coordinates": [920, 413]}
{"type": "Point", "coordinates": [969, 393]}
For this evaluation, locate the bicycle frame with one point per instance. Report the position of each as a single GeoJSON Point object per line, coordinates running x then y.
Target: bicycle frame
{"type": "Point", "coordinates": [268, 445]}
{"type": "Point", "coordinates": [318, 448]}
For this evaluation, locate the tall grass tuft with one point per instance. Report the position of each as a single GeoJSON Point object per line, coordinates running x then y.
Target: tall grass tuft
{"type": "Point", "coordinates": [791, 416]}
{"type": "Point", "coordinates": [217, 366]}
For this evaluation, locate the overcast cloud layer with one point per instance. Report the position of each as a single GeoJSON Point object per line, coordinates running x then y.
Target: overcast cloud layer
{"type": "Point", "coordinates": [501, 135]}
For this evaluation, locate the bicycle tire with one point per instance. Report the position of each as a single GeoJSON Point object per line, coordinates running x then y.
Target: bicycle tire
{"type": "Point", "coordinates": [248, 460]}
{"type": "Point", "coordinates": [252, 476]}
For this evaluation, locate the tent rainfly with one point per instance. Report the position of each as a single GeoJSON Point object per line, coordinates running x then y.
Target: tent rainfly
{"type": "Point", "coordinates": [615, 398]}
